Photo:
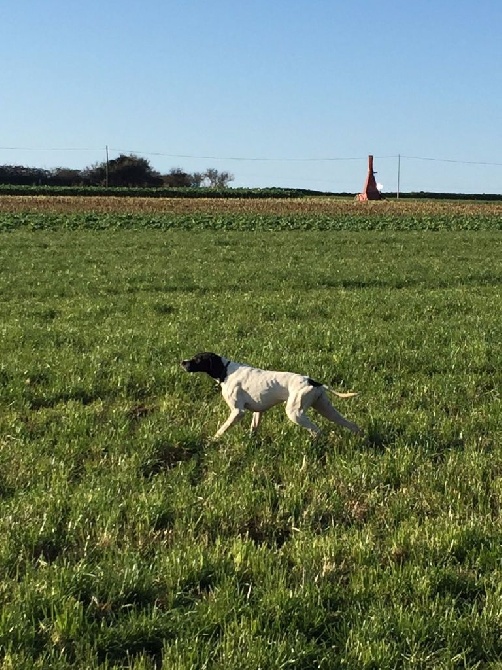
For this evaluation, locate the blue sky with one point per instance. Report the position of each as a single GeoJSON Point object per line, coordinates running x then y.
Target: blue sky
{"type": "Point", "coordinates": [312, 86]}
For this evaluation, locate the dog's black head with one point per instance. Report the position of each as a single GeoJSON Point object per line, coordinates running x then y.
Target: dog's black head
{"type": "Point", "coordinates": [212, 364]}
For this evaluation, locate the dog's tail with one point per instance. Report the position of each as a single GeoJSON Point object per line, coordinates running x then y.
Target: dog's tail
{"type": "Point", "coordinates": [340, 395]}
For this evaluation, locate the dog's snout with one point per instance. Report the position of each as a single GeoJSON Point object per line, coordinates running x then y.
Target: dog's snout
{"type": "Point", "coordinates": [187, 365]}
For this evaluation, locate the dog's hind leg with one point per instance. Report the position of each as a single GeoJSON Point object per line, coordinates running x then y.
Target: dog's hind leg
{"type": "Point", "coordinates": [296, 407]}
{"type": "Point", "coordinates": [298, 417]}
{"type": "Point", "coordinates": [326, 409]}
{"type": "Point", "coordinates": [295, 413]}
{"type": "Point", "coordinates": [303, 420]}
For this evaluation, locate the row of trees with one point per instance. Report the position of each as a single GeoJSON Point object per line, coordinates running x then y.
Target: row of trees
{"type": "Point", "coordinates": [126, 170]}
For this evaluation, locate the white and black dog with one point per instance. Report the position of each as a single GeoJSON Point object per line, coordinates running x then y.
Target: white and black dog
{"type": "Point", "coordinates": [246, 388]}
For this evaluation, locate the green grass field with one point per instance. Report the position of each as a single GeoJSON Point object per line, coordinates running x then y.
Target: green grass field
{"type": "Point", "coordinates": [129, 540]}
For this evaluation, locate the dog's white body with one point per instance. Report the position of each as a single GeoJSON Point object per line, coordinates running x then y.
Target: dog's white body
{"type": "Point", "coordinates": [246, 388]}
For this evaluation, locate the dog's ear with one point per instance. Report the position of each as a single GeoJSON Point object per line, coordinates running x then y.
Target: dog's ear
{"type": "Point", "coordinates": [217, 368]}
{"type": "Point", "coordinates": [211, 364]}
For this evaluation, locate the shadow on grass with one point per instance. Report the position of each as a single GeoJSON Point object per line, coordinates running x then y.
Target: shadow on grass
{"type": "Point", "coordinates": [132, 640]}
{"type": "Point", "coordinates": [139, 411]}
{"type": "Point", "coordinates": [166, 453]}
{"type": "Point", "coordinates": [438, 444]}
{"type": "Point", "coordinates": [269, 533]}
{"type": "Point", "coordinates": [51, 400]}
{"type": "Point", "coordinates": [381, 435]}
{"type": "Point", "coordinates": [435, 441]}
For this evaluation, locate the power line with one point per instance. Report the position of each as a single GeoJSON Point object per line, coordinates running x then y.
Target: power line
{"type": "Point", "coordinates": [50, 149]}
{"type": "Point", "coordinates": [254, 158]}
{"type": "Point", "coordinates": [243, 158]}
{"type": "Point", "coordinates": [449, 160]}
{"type": "Point", "coordinates": [168, 155]}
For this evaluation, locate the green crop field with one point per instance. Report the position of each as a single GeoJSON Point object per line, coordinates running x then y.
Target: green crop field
{"type": "Point", "coordinates": [306, 213]}
{"type": "Point", "coordinates": [129, 539]}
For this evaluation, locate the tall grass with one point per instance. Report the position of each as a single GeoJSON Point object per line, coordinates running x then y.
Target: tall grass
{"type": "Point", "coordinates": [129, 539]}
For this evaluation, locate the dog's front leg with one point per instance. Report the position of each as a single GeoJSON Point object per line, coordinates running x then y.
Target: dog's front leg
{"type": "Point", "coordinates": [235, 416]}
{"type": "Point", "coordinates": [255, 422]}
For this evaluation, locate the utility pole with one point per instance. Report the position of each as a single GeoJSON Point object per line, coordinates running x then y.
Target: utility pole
{"type": "Point", "coordinates": [398, 175]}
{"type": "Point", "coordinates": [106, 173]}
